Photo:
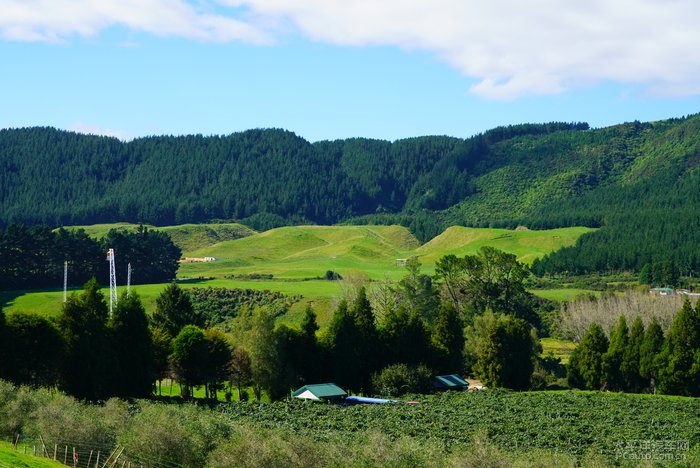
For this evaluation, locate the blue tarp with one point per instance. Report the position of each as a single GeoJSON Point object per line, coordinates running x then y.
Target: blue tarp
{"type": "Point", "coordinates": [371, 401]}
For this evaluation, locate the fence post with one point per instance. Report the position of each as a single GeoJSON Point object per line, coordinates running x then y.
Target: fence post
{"type": "Point", "coordinates": [55, 448]}
{"type": "Point", "coordinates": [44, 452]}
{"type": "Point", "coordinates": [97, 463]}
{"type": "Point", "coordinates": [65, 456]}
{"type": "Point", "coordinates": [89, 460]}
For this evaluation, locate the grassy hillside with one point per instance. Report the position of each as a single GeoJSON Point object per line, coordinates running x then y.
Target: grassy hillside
{"type": "Point", "coordinates": [297, 256]}
{"type": "Point", "coordinates": [11, 457]}
{"type": "Point", "coordinates": [188, 237]}
{"type": "Point", "coordinates": [527, 245]}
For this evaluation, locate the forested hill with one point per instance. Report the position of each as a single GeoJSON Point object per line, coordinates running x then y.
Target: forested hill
{"type": "Point", "coordinates": [636, 179]}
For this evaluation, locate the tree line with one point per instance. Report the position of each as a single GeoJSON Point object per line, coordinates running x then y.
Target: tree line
{"type": "Point", "coordinates": [33, 257]}
{"type": "Point", "coordinates": [390, 336]}
{"type": "Point", "coordinates": [635, 359]}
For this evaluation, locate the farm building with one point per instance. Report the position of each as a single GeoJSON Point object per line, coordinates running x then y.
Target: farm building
{"type": "Point", "coordinates": [318, 392]}
{"type": "Point", "coordinates": [662, 292]}
{"type": "Point", "coordinates": [449, 382]}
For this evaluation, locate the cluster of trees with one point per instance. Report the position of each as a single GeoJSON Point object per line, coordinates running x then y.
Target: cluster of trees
{"type": "Point", "coordinates": [92, 355]}
{"type": "Point", "coordinates": [220, 304]}
{"type": "Point", "coordinates": [33, 257]}
{"type": "Point", "coordinates": [634, 359]}
{"type": "Point", "coordinates": [660, 274]}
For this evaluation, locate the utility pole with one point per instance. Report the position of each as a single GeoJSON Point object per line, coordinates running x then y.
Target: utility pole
{"type": "Point", "coordinates": [65, 280]}
{"type": "Point", "coordinates": [112, 281]}
{"type": "Point", "coordinates": [128, 280]}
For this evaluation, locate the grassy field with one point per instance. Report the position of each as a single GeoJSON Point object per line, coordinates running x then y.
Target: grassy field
{"type": "Point", "coordinates": [188, 237]}
{"type": "Point", "coordinates": [298, 256]}
{"type": "Point", "coordinates": [559, 348]}
{"type": "Point", "coordinates": [16, 459]}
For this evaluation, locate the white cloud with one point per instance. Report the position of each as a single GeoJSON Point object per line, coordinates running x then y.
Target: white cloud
{"type": "Point", "coordinates": [517, 47]}
{"type": "Point", "coordinates": [59, 20]}
{"type": "Point", "coordinates": [510, 47]}
{"type": "Point", "coordinates": [89, 129]}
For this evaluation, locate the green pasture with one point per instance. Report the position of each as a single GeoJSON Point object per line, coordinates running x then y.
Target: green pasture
{"type": "Point", "coordinates": [563, 295]}
{"type": "Point", "coordinates": [188, 237]}
{"type": "Point", "coordinates": [298, 256]}
{"type": "Point", "coordinates": [559, 348]}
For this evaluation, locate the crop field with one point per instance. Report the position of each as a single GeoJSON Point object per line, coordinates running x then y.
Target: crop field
{"type": "Point", "coordinates": [582, 424]}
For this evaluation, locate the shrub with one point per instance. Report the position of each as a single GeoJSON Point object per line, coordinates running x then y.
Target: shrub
{"type": "Point", "coordinates": [398, 379]}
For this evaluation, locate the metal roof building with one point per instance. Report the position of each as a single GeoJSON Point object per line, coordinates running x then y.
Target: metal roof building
{"type": "Point", "coordinates": [325, 391]}
{"type": "Point", "coordinates": [449, 382]}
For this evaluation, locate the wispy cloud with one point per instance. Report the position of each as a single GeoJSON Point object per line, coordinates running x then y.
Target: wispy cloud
{"type": "Point", "coordinates": [90, 129]}
{"type": "Point", "coordinates": [60, 20]}
{"type": "Point", "coordinates": [510, 47]}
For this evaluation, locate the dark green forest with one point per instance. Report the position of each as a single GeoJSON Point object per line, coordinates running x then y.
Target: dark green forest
{"type": "Point", "coordinates": [636, 180]}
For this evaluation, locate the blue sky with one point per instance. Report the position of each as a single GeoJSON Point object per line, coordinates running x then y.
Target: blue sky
{"type": "Point", "coordinates": [327, 69]}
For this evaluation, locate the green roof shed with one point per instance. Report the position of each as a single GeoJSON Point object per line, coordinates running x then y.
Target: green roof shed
{"type": "Point", "coordinates": [450, 382]}
{"type": "Point", "coordinates": [325, 391]}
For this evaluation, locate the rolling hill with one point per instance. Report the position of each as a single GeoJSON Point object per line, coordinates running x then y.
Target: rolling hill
{"type": "Point", "coordinates": [635, 180]}
{"type": "Point", "coordinates": [299, 256]}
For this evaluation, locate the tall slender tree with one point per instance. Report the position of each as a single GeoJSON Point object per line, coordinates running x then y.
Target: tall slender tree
{"type": "Point", "coordinates": [88, 363]}
{"type": "Point", "coordinates": [649, 352]}
{"type": "Point", "coordinates": [132, 348]}
{"type": "Point", "coordinates": [448, 340]}
{"type": "Point", "coordinates": [679, 370]}
{"type": "Point", "coordinates": [585, 364]}
{"type": "Point", "coordinates": [613, 359]}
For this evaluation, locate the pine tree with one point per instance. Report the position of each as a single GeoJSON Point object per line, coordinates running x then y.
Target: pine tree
{"type": "Point", "coordinates": [612, 359]}
{"type": "Point", "coordinates": [174, 310]}
{"type": "Point", "coordinates": [645, 276]}
{"type": "Point", "coordinates": [506, 355]}
{"type": "Point", "coordinates": [367, 345]}
{"type": "Point", "coordinates": [585, 364]}
{"type": "Point", "coordinates": [35, 351]}
{"type": "Point", "coordinates": [132, 348]}
{"type": "Point", "coordinates": [87, 364]}
{"type": "Point", "coordinates": [649, 353]}
{"type": "Point", "coordinates": [634, 382]}
{"type": "Point", "coordinates": [5, 345]}
{"type": "Point", "coordinates": [679, 370]}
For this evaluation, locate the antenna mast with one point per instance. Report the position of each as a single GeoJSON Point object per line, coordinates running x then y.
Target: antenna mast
{"type": "Point", "coordinates": [65, 280]}
{"type": "Point", "coordinates": [128, 280]}
{"type": "Point", "coordinates": [112, 281]}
